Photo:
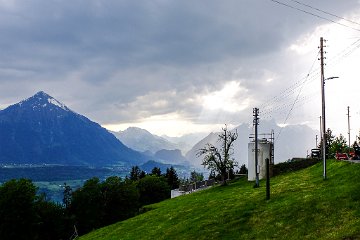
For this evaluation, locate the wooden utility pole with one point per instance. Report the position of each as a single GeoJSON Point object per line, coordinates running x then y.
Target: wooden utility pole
{"type": "Point", "coordinates": [321, 135]}
{"type": "Point", "coordinates": [267, 178]}
{"type": "Point", "coordinates": [323, 106]}
{"type": "Point", "coordinates": [256, 123]}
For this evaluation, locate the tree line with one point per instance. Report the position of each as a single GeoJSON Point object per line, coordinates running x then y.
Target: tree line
{"type": "Point", "coordinates": [25, 214]}
{"type": "Point", "coordinates": [337, 144]}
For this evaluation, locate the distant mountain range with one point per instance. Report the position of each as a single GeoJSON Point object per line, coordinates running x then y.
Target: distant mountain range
{"type": "Point", "coordinates": [143, 141]}
{"type": "Point", "coordinates": [171, 157]}
{"type": "Point", "coordinates": [41, 130]}
{"type": "Point", "coordinates": [159, 148]}
{"type": "Point", "coordinates": [290, 141]}
{"type": "Point", "coordinates": [187, 141]}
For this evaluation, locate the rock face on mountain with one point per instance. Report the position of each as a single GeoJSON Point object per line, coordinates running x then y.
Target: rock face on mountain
{"type": "Point", "coordinates": [41, 130]}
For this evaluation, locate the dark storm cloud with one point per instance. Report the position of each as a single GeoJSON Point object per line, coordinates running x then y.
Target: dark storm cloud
{"type": "Point", "coordinates": [116, 60]}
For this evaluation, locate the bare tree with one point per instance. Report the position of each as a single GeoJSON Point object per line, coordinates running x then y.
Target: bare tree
{"type": "Point", "coordinates": [219, 160]}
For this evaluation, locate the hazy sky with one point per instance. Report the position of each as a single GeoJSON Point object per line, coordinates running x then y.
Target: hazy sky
{"type": "Point", "coordinates": [176, 67]}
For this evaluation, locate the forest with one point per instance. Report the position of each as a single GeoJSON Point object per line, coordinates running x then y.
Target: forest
{"type": "Point", "coordinates": [26, 214]}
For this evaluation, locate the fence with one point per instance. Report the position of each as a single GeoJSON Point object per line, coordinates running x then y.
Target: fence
{"type": "Point", "coordinates": [197, 185]}
{"type": "Point", "coordinates": [191, 187]}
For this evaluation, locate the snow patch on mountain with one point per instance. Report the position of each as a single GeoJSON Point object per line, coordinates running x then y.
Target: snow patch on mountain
{"type": "Point", "coordinates": [57, 103]}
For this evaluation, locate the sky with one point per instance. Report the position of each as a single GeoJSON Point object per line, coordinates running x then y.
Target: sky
{"type": "Point", "coordinates": [179, 67]}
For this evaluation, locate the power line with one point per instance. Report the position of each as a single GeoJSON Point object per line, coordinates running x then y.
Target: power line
{"type": "Point", "coordinates": [271, 106]}
{"type": "Point", "coordinates": [301, 101]}
{"type": "Point", "coordinates": [328, 13]}
{"type": "Point", "coordinates": [297, 97]}
{"type": "Point", "coordinates": [290, 90]}
{"type": "Point", "coordinates": [278, 102]}
{"type": "Point", "coordinates": [315, 15]}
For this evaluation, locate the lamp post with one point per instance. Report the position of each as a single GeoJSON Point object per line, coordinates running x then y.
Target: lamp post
{"type": "Point", "coordinates": [323, 123]}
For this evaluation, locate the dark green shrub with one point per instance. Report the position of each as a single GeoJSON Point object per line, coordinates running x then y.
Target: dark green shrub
{"type": "Point", "coordinates": [294, 165]}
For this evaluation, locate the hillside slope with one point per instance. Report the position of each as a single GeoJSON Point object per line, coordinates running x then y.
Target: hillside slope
{"type": "Point", "coordinates": [302, 206]}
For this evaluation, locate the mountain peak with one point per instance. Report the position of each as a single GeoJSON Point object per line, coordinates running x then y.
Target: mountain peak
{"type": "Point", "coordinates": [43, 100]}
{"type": "Point", "coordinates": [40, 129]}
{"type": "Point", "coordinates": [41, 94]}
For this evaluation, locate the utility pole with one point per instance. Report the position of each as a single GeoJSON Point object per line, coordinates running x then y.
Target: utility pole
{"type": "Point", "coordinates": [348, 115]}
{"type": "Point", "coordinates": [256, 123]}
{"type": "Point", "coordinates": [267, 160]}
{"type": "Point", "coordinates": [316, 138]}
{"type": "Point", "coordinates": [323, 105]}
{"type": "Point", "coordinates": [321, 135]}
{"type": "Point", "coordinates": [272, 139]}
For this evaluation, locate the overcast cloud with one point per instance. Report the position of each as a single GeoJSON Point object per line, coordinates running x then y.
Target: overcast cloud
{"type": "Point", "coordinates": [172, 66]}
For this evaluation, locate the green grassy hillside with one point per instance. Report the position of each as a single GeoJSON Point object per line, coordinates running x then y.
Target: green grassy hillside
{"type": "Point", "coordinates": [302, 206]}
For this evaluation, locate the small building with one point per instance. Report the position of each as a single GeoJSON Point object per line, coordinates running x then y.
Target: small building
{"type": "Point", "coordinates": [265, 150]}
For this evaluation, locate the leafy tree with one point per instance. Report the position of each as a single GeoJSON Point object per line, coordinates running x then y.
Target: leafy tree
{"type": "Point", "coordinates": [17, 212]}
{"type": "Point", "coordinates": [156, 171]}
{"type": "Point", "coordinates": [214, 176]}
{"type": "Point", "coordinates": [142, 174]}
{"type": "Point", "coordinates": [338, 145]}
{"type": "Point", "coordinates": [329, 140]}
{"type": "Point", "coordinates": [53, 222]}
{"type": "Point", "coordinates": [172, 178]}
{"type": "Point", "coordinates": [243, 169]}
{"type": "Point", "coordinates": [121, 200]}
{"type": "Point", "coordinates": [231, 174]}
{"type": "Point", "coordinates": [26, 215]}
{"type": "Point", "coordinates": [97, 203]}
{"type": "Point", "coordinates": [87, 204]}
{"type": "Point", "coordinates": [67, 196]}
{"type": "Point", "coordinates": [184, 181]}
{"type": "Point", "coordinates": [196, 177]}
{"type": "Point", "coordinates": [219, 160]}
{"type": "Point", "coordinates": [357, 139]}
{"type": "Point", "coordinates": [153, 189]}
{"type": "Point", "coordinates": [135, 173]}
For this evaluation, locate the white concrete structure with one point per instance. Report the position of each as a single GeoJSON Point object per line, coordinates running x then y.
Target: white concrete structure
{"type": "Point", "coordinates": [175, 193]}
{"type": "Point", "coordinates": [265, 149]}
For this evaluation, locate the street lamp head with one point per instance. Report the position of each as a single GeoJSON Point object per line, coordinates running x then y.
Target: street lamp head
{"type": "Point", "coordinates": [330, 78]}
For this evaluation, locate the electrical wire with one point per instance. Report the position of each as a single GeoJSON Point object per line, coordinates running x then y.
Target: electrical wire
{"type": "Point", "coordinates": [344, 54]}
{"type": "Point", "coordinates": [315, 15]}
{"type": "Point", "coordinates": [328, 13]}
{"type": "Point", "coordinates": [297, 97]}
{"type": "Point", "coordinates": [301, 101]}
{"type": "Point", "coordinates": [267, 105]}
{"type": "Point", "coordinates": [271, 106]}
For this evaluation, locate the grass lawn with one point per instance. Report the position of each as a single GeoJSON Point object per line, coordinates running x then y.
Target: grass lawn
{"type": "Point", "coordinates": [302, 206]}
